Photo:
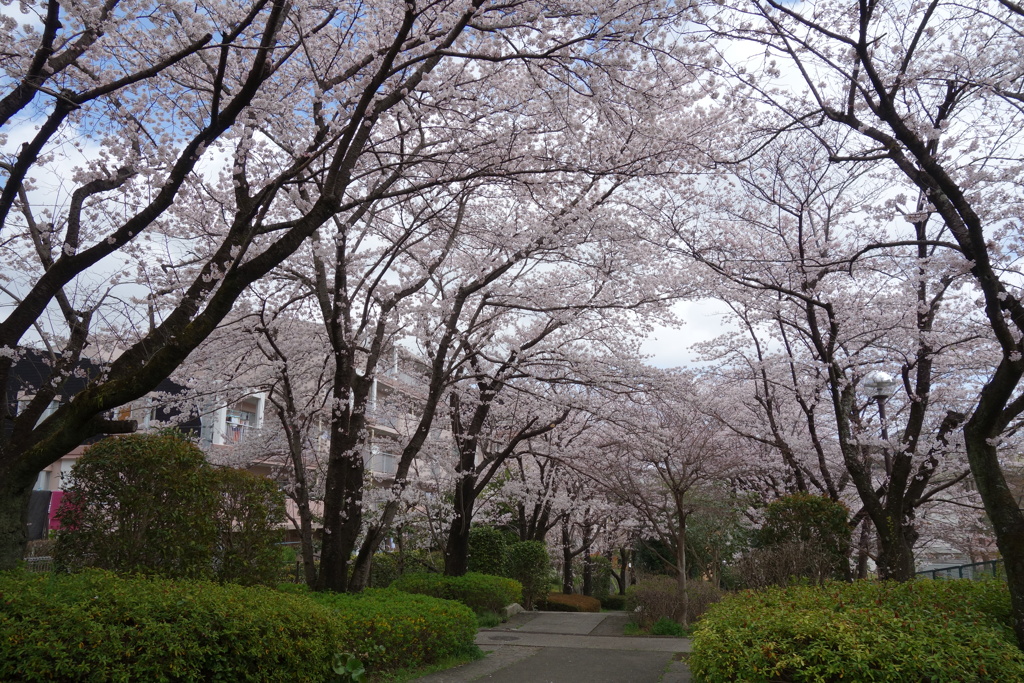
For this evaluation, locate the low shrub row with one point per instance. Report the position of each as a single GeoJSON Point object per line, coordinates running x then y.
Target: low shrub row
{"type": "Point", "coordinates": [480, 592]}
{"type": "Point", "coordinates": [560, 602]}
{"type": "Point", "coordinates": [613, 602]}
{"type": "Point", "coordinates": [95, 626]}
{"type": "Point", "coordinates": [659, 597]}
{"type": "Point", "coordinates": [866, 631]}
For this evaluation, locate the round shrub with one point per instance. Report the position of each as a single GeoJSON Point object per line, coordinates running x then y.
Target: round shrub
{"type": "Point", "coordinates": [613, 602]}
{"type": "Point", "coordinates": [151, 504]}
{"type": "Point", "coordinates": [480, 592]}
{"type": "Point", "coordinates": [140, 503]}
{"type": "Point", "coordinates": [667, 627]}
{"type": "Point", "coordinates": [96, 626]}
{"type": "Point", "coordinates": [602, 569]}
{"type": "Point", "coordinates": [803, 535]}
{"type": "Point", "coordinates": [561, 602]}
{"type": "Point", "coordinates": [878, 631]}
{"type": "Point", "coordinates": [249, 516]}
{"type": "Point", "coordinates": [384, 570]}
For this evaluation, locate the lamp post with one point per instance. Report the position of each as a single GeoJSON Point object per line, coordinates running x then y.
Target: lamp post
{"type": "Point", "coordinates": [880, 386]}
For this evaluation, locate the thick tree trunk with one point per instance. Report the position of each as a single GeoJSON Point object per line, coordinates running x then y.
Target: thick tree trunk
{"type": "Point", "coordinates": [456, 552]}
{"type": "Point", "coordinates": [14, 495]}
{"type": "Point", "coordinates": [896, 549]}
{"type": "Point", "coordinates": [622, 577]}
{"type": "Point", "coordinates": [343, 517]}
{"type": "Point", "coordinates": [456, 557]}
{"type": "Point", "coordinates": [1001, 506]}
{"type": "Point", "coordinates": [362, 567]}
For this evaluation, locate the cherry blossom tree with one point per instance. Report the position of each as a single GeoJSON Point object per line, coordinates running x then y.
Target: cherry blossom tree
{"type": "Point", "coordinates": [793, 237]}
{"type": "Point", "coordinates": [932, 90]}
{"type": "Point", "coordinates": [211, 142]}
{"type": "Point", "coordinates": [664, 451]}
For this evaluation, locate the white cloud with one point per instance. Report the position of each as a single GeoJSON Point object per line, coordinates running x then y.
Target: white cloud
{"type": "Point", "coordinates": [671, 346]}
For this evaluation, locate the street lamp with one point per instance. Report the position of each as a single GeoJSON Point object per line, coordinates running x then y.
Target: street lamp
{"type": "Point", "coordinates": [880, 386]}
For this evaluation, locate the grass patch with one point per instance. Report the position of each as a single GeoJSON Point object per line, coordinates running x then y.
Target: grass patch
{"type": "Point", "coordinates": [488, 619]}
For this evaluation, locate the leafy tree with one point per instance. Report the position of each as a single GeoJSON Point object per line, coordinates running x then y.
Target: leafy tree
{"type": "Point", "coordinates": [249, 517]}
{"type": "Point", "coordinates": [925, 90]}
{"type": "Point", "coordinates": [150, 503]}
{"type": "Point", "coordinates": [193, 152]}
{"type": "Point", "coordinates": [141, 503]}
{"type": "Point", "coordinates": [527, 562]}
{"type": "Point", "coordinates": [818, 524]}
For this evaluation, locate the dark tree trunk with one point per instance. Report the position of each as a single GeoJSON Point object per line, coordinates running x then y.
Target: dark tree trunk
{"type": "Point", "coordinates": [14, 494]}
{"type": "Point", "coordinates": [456, 552]}
{"type": "Point", "coordinates": [896, 549]}
{"type": "Point", "coordinates": [622, 576]}
{"type": "Point", "coordinates": [456, 556]}
{"type": "Point", "coordinates": [306, 543]}
{"type": "Point", "coordinates": [343, 495]}
{"type": "Point", "coordinates": [981, 433]}
{"type": "Point", "coordinates": [567, 557]}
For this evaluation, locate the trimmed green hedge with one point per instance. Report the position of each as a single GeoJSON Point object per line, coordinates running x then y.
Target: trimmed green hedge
{"type": "Point", "coordinates": [866, 631]}
{"type": "Point", "coordinates": [96, 626]}
{"type": "Point", "coordinates": [389, 629]}
{"type": "Point", "coordinates": [480, 592]}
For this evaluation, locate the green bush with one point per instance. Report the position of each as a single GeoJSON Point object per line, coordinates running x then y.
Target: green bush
{"type": "Point", "coordinates": [390, 629]}
{"type": "Point", "coordinates": [480, 592]}
{"type": "Point", "coordinates": [385, 570]}
{"type": "Point", "coordinates": [249, 516]}
{"type": "Point", "coordinates": [877, 631]}
{"type": "Point", "coordinates": [527, 562]}
{"type": "Point", "coordinates": [667, 627]}
{"type": "Point", "coordinates": [96, 626]}
{"type": "Point", "coordinates": [613, 602]}
{"type": "Point", "coordinates": [561, 602]}
{"type": "Point", "coordinates": [151, 504]}
{"type": "Point", "coordinates": [803, 536]}
{"type": "Point", "coordinates": [487, 548]}
{"type": "Point", "coordinates": [657, 597]}
{"type": "Point", "coordinates": [140, 503]}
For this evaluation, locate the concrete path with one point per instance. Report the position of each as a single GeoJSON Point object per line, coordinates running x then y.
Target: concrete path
{"type": "Point", "coordinates": [566, 647]}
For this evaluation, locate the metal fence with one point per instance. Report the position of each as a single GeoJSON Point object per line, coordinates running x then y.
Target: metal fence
{"type": "Point", "coordinates": [39, 565]}
{"type": "Point", "coordinates": [979, 570]}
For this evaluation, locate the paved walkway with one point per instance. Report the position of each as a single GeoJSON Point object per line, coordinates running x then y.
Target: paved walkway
{"type": "Point", "coordinates": [565, 647]}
